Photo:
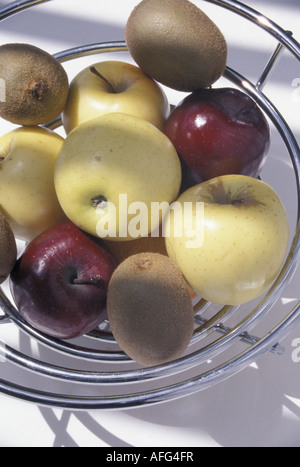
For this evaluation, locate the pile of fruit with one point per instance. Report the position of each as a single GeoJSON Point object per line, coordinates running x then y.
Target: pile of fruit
{"type": "Point", "coordinates": [141, 205]}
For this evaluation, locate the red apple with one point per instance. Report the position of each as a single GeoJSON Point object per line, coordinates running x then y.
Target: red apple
{"type": "Point", "coordinates": [218, 132]}
{"type": "Point", "coordinates": [60, 282]}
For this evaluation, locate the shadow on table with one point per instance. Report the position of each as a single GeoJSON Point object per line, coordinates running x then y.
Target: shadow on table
{"type": "Point", "coordinates": [222, 412]}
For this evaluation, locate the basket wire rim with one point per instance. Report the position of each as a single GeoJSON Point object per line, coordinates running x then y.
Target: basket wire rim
{"type": "Point", "coordinates": [219, 373]}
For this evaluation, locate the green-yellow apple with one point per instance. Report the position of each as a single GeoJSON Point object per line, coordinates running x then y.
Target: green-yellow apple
{"type": "Point", "coordinates": [116, 175]}
{"type": "Point", "coordinates": [231, 240]}
{"type": "Point", "coordinates": [114, 86]}
{"type": "Point", "coordinates": [27, 193]}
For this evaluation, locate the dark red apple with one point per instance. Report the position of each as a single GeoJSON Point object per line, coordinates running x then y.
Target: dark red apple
{"type": "Point", "coordinates": [219, 132]}
{"type": "Point", "coordinates": [60, 282]}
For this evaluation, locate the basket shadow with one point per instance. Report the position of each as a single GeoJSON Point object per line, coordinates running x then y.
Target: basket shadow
{"type": "Point", "coordinates": [59, 28]}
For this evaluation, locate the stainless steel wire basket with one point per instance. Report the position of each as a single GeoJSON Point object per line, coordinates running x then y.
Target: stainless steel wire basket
{"type": "Point", "coordinates": [92, 372]}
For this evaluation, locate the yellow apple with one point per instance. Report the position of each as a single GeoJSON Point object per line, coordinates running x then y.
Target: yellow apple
{"type": "Point", "coordinates": [116, 175]}
{"type": "Point", "coordinates": [114, 86]}
{"type": "Point", "coordinates": [232, 239]}
{"type": "Point", "coordinates": [27, 193]}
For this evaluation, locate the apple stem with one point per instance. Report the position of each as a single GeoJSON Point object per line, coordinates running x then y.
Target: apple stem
{"type": "Point", "coordinates": [95, 280]}
{"type": "Point", "coordinates": [238, 201]}
{"type": "Point", "coordinates": [96, 72]}
{"type": "Point", "coordinates": [98, 200]}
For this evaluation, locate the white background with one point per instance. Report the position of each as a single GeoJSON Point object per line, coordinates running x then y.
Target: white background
{"type": "Point", "coordinates": [259, 406]}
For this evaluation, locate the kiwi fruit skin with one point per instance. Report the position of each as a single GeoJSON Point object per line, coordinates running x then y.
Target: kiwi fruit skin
{"type": "Point", "coordinates": [36, 85]}
{"type": "Point", "coordinates": [8, 249]}
{"type": "Point", "coordinates": [176, 44]}
{"type": "Point", "coordinates": [150, 309]}
{"type": "Point", "coordinates": [151, 243]}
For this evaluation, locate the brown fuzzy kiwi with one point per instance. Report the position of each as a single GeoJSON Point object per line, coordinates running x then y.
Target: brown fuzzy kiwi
{"type": "Point", "coordinates": [122, 250]}
{"type": "Point", "coordinates": [150, 309]}
{"type": "Point", "coordinates": [8, 249]}
{"type": "Point", "coordinates": [36, 85]}
{"type": "Point", "coordinates": [176, 44]}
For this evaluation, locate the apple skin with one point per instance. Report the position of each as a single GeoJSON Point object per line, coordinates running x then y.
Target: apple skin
{"type": "Point", "coordinates": [113, 155]}
{"type": "Point", "coordinates": [60, 282]}
{"type": "Point", "coordinates": [245, 239]}
{"type": "Point", "coordinates": [189, 177]}
{"type": "Point", "coordinates": [127, 89]}
{"type": "Point", "coordinates": [220, 131]}
{"type": "Point", "coordinates": [27, 193]}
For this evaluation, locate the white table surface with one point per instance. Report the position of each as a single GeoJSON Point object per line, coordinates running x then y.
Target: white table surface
{"type": "Point", "coordinates": [259, 406]}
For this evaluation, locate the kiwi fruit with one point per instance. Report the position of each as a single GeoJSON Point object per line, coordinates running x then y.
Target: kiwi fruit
{"type": "Point", "coordinates": [36, 85]}
{"type": "Point", "coordinates": [123, 250]}
{"type": "Point", "coordinates": [8, 249]}
{"type": "Point", "coordinates": [150, 309]}
{"type": "Point", "coordinates": [176, 44]}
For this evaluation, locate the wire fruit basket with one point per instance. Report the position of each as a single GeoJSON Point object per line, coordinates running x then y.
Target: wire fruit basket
{"type": "Point", "coordinates": [92, 372]}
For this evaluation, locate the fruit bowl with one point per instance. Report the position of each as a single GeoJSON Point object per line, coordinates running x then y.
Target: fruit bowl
{"type": "Point", "coordinates": [92, 372]}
